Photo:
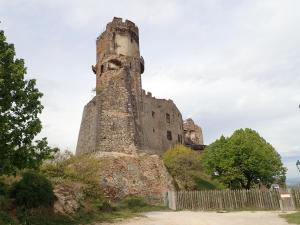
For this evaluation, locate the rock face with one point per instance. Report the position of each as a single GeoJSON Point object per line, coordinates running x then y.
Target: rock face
{"type": "Point", "coordinates": [68, 197]}
{"type": "Point", "coordinates": [192, 133]}
{"type": "Point", "coordinates": [139, 175]}
{"type": "Point", "coordinates": [118, 174]}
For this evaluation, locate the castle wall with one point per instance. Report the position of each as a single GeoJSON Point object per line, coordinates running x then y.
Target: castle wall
{"type": "Point", "coordinates": [162, 124]}
{"type": "Point", "coordinates": [87, 134]}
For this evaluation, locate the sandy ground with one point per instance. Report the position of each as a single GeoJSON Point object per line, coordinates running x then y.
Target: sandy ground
{"type": "Point", "coordinates": [207, 218]}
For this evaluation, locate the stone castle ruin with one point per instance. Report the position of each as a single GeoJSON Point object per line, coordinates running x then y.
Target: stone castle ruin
{"type": "Point", "coordinates": [122, 117]}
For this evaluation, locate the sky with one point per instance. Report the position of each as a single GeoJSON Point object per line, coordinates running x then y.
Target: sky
{"type": "Point", "coordinates": [228, 64]}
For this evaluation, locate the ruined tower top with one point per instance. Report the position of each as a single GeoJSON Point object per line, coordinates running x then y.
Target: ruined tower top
{"type": "Point", "coordinates": [117, 24]}
{"type": "Point", "coordinates": [119, 39]}
{"type": "Point", "coordinates": [118, 49]}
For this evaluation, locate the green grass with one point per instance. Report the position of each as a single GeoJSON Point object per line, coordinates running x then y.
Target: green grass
{"type": "Point", "coordinates": [35, 217]}
{"type": "Point", "coordinates": [120, 212]}
{"type": "Point", "coordinates": [292, 218]}
{"type": "Point", "coordinates": [45, 217]}
{"type": "Point", "coordinates": [127, 208]}
{"type": "Point", "coordinates": [203, 182]}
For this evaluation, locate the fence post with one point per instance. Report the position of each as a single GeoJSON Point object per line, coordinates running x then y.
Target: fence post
{"type": "Point", "coordinates": [172, 200]}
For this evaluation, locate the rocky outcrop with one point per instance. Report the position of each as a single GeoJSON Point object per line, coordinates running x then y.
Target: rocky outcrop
{"type": "Point", "coordinates": [68, 197]}
{"type": "Point", "coordinates": [192, 133]}
{"type": "Point", "coordinates": [139, 175]}
{"type": "Point", "coordinates": [118, 174]}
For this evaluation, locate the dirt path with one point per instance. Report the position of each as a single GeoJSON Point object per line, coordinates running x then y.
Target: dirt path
{"type": "Point", "coordinates": [207, 218]}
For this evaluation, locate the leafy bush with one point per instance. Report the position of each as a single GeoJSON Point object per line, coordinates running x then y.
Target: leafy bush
{"type": "Point", "coordinates": [182, 162]}
{"type": "Point", "coordinates": [203, 181]}
{"type": "Point", "coordinates": [5, 202]}
{"type": "Point", "coordinates": [104, 205]}
{"type": "Point", "coordinates": [32, 191]}
{"type": "Point", "coordinates": [84, 168]}
{"type": "Point", "coordinates": [3, 188]}
{"type": "Point", "coordinates": [43, 216]}
{"type": "Point", "coordinates": [6, 219]}
{"type": "Point", "coordinates": [184, 165]}
{"type": "Point", "coordinates": [133, 203]}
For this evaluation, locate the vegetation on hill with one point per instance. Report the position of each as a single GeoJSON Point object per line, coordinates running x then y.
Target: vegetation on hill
{"type": "Point", "coordinates": [32, 191]}
{"type": "Point", "coordinates": [64, 165]}
{"type": "Point", "coordinates": [243, 160]}
{"type": "Point", "coordinates": [184, 165]}
{"type": "Point", "coordinates": [65, 170]}
{"type": "Point", "coordinates": [20, 106]}
{"type": "Point", "coordinates": [28, 200]}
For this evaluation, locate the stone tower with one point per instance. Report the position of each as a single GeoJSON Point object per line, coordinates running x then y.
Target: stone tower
{"type": "Point", "coordinates": [112, 120]}
{"type": "Point", "coordinates": [123, 117]}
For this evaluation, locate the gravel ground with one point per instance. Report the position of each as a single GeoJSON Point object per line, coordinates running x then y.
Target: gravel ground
{"type": "Point", "coordinates": [207, 218]}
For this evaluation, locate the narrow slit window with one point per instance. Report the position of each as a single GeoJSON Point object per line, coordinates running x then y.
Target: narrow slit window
{"type": "Point", "coordinates": [168, 117]}
{"type": "Point", "coordinates": [169, 135]}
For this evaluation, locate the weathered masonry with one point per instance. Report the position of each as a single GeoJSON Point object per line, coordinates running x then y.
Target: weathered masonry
{"type": "Point", "coordinates": [122, 117]}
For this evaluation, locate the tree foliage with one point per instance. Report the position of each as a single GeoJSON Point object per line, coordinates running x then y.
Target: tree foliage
{"type": "Point", "coordinates": [243, 160]}
{"type": "Point", "coordinates": [32, 191]}
{"type": "Point", "coordinates": [184, 165]}
{"type": "Point", "coordinates": [181, 163]}
{"type": "Point", "coordinates": [19, 108]}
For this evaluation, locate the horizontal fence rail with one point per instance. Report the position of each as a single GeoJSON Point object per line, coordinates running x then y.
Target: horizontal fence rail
{"type": "Point", "coordinates": [234, 199]}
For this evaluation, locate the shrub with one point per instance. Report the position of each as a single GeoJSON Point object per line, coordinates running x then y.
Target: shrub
{"type": "Point", "coordinates": [5, 202]}
{"type": "Point", "coordinates": [6, 219]}
{"type": "Point", "coordinates": [84, 168]}
{"type": "Point", "coordinates": [182, 163]}
{"type": "Point", "coordinates": [32, 191]}
{"type": "Point", "coordinates": [44, 216]}
{"type": "Point", "coordinates": [133, 203]}
{"type": "Point", "coordinates": [3, 189]}
{"type": "Point", "coordinates": [104, 205]}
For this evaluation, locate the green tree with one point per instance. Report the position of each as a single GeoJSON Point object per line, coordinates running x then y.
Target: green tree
{"type": "Point", "coordinates": [243, 160]}
{"type": "Point", "coordinates": [19, 108]}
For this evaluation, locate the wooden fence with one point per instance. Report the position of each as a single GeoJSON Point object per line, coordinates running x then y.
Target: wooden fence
{"type": "Point", "coordinates": [234, 199]}
{"type": "Point", "coordinates": [296, 196]}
